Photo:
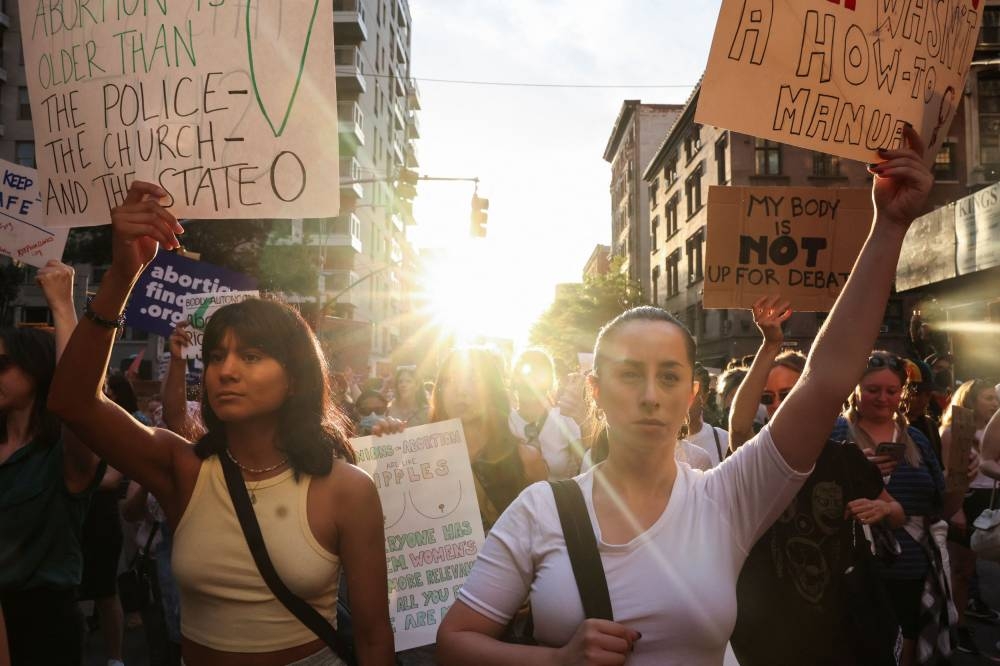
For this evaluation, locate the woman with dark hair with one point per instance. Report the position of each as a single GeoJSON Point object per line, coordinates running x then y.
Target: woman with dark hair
{"type": "Point", "coordinates": [470, 386]}
{"type": "Point", "coordinates": [874, 419]}
{"type": "Point", "coordinates": [671, 541]}
{"type": "Point", "coordinates": [409, 402]}
{"type": "Point", "coordinates": [46, 479]}
{"type": "Point", "coordinates": [266, 406]}
{"type": "Point", "coordinates": [980, 398]}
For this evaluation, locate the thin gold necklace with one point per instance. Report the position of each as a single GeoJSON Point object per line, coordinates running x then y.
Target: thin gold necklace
{"type": "Point", "coordinates": [251, 470]}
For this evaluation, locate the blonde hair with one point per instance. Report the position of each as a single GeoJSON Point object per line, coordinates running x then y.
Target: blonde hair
{"type": "Point", "coordinates": [964, 396]}
{"type": "Point", "coordinates": [852, 412]}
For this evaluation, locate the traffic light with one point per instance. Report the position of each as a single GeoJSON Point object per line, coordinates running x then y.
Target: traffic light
{"type": "Point", "coordinates": [406, 184]}
{"type": "Point", "coordinates": [478, 218]}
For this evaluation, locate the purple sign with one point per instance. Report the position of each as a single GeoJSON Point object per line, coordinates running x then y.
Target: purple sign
{"type": "Point", "coordinates": [157, 303]}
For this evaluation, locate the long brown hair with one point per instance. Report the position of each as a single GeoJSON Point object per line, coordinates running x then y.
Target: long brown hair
{"type": "Point", "coordinates": [312, 428]}
{"type": "Point", "coordinates": [965, 396]}
{"type": "Point", "coordinates": [488, 370]}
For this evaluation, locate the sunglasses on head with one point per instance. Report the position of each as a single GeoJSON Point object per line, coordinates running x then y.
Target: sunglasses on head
{"type": "Point", "coordinates": [6, 362]}
{"type": "Point", "coordinates": [891, 362]}
{"type": "Point", "coordinates": [365, 411]}
{"type": "Point", "coordinates": [768, 398]}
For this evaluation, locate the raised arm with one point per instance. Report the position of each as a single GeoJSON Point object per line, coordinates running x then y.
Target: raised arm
{"type": "Point", "coordinates": [56, 281]}
{"type": "Point", "coordinates": [802, 423]}
{"type": "Point", "coordinates": [145, 454]}
{"type": "Point", "coordinates": [769, 313]}
{"type": "Point", "coordinates": [175, 412]}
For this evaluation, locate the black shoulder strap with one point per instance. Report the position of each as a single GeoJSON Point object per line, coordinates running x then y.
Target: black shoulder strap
{"type": "Point", "coordinates": [582, 547]}
{"type": "Point", "coordinates": [298, 607]}
{"type": "Point", "coordinates": [718, 444]}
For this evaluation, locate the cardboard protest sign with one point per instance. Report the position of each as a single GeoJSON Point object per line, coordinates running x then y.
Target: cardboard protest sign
{"type": "Point", "coordinates": [199, 308]}
{"type": "Point", "coordinates": [839, 77]}
{"type": "Point", "coordinates": [797, 242]}
{"type": "Point", "coordinates": [229, 106]}
{"type": "Point", "coordinates": [433, 529]}
{"type": "Point", "coordinates": [157, 303]}
{"type": "Point", "coordinates": [963, 438]}
{"type": "Point", "coordinates": [23, 234]}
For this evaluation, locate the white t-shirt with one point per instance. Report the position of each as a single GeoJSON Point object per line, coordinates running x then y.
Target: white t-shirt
{"type": "Point", "coordinates": [675, 583]}
{"type": "Point", "coordinates": [556, 441]}
{"type": "Point", "coordinates": [685, 452]}
{"type": "Point", "coordinates": [705, 441]}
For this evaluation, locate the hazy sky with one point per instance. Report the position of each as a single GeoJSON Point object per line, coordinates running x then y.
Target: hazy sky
{"type": "Point", "coordinates": [538, 151]}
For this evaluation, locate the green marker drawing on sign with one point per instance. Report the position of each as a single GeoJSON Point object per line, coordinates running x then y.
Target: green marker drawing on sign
{"type": "Point", "coordinates": [298, 77]}
{"type": "Point", "coordinates": [198, 318]}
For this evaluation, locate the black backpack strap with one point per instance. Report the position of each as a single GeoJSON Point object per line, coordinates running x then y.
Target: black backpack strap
{"type": "Point", "coordinates": [298, 607]}
{"type": "Point", "coordinates": [582, 547]}
{"type": "Point", "coordinates": [718, 444]}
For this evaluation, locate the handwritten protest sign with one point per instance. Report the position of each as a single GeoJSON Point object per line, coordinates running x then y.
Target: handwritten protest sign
{"type": "Point", "coordinates": [433, 529]}
{"type": "Point", "coordinates": [23, 235]}
{"type": "Point", "coordinates": [797, 242]}
{"type": "Point", "coordinates": [839, 77]}
{"type": "Point", "coordinates": [963, 438]}
{"type": "Point", "coordinates": [229, 106]}
{"type": "Point", "coordinates": [199, 308]}
{"type": "Point", "coordinates": [157, 303]}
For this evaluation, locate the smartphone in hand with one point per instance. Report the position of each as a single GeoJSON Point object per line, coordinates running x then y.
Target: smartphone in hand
{"type": "Point", "coordinates": [894, 450]}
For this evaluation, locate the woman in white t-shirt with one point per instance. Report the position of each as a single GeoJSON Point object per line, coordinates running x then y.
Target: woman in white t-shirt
{"type": "Point", "coordinates": [672, 540]}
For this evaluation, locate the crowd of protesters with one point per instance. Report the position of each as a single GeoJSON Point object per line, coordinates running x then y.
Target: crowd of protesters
{"type": "Point", "coordinates": [798, 491]}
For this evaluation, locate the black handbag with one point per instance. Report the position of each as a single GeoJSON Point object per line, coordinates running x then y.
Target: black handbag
{"type": "Point", "coordinates": [297, 606]}
{"type": "Point", "coordinates": [137, 585]}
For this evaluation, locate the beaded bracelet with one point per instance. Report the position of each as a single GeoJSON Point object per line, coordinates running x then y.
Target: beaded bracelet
{"type": "Point", "coordinates": [116, 323]}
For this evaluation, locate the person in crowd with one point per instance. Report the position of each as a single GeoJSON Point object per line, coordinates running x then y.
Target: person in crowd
{"type": "Point", "coordinates": [874, 420]}
{"type": "Point", "coordinates": [916, 404]}
{"type": "Point", "coordinates": [980, 397]}
{"type": "Point", "coordinates": [4, 651]}
{"type": "Point", "coordinates": [941, 365]}
{"type": "Point", "coordinates": [369, 409]}
{"type": "Point", "coordinates": [648, 513]}
{"type": "Point", "coordinates": [537, 422]}
{"type": "Point", "coordinates": [798, 564]}
{"type": "Point", "coordinates": [710, 439]}
{"type": "Point", "coordinates": [470, 386]}
{"type": "Point", "coordinates": [729, 381]}
{"type": "Point", "coordinates": [341, 395]}
{"type": "Point", "coordinates": [409, 402]}
{"type": "Point", "coordinates": [46, 479]}
{"type": "Point", "coordinates": [266, 405]}
{"type": "Point", "coordinates": [162, 620]}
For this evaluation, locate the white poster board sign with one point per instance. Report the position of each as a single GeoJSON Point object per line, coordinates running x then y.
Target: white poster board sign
{"type": "Point", "coordinates": [231, 110]}
{"type": "Point", "coordinates": [23, 235]}
{"type": "Point", "coordinates": [199, 308]}
{"type": "Point", "coordinates": [433, 529]}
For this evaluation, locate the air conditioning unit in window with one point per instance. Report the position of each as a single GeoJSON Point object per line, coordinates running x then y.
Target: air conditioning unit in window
{"type": "Point", "coordinates": [883, 329]}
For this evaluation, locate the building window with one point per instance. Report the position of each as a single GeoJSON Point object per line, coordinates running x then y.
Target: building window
{"type": "Point", "coordinates": [725, 325]}
{"type": "Point", "coordinates": [656, 285]}
{"type": "Point", "coordinates": [670, 171]}
{"type": "Point", "coordinates": [24, 153]}
{"type": "Point", "coordinates": [672, 224]}
{"type": "Point", "coordinates": [23, 104]}
{"type": "Point", "coordinates": [654, 227]}
{"type": "Point", "coordinates": [720, 159]}
{"type": "Point", "coordinates": [989, 119]}
{"type": "Point", "coordinates": [768, 157]}
{"type": "Point", "coordinates": [694, 246]}
{"type": "Point", "coordinates": [654, 188]}
{"type": "Point", "coordinates": [944, 162]}
{"type": "Point", "coordinates": [991, 26]}
{"type": "Point", "coordinates": [692, 143]}
{"type": "Point", "coordinates": [673, 273]}
{"type": "Point", "coordinates": [826, 166]}
{"type": "Point", "coordinates": [692, 190]}
{"type": "Point", "coordinates": [691, 319]}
